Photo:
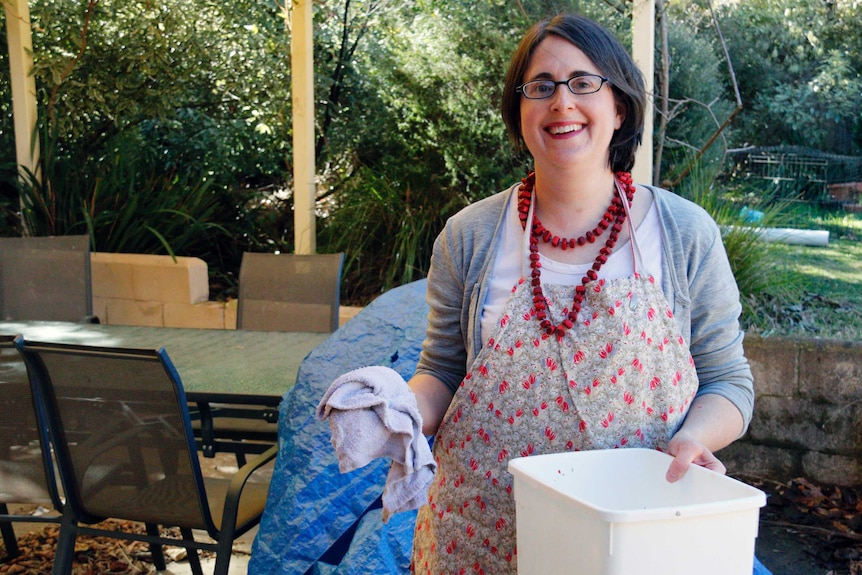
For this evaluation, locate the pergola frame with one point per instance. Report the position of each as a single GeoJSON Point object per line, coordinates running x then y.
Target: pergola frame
{"type": "Point", "coordinates": [24, 106]}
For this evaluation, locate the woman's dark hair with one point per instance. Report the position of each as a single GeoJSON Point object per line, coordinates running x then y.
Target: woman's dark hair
{"type": "Point", "coordinates": [612, 60]}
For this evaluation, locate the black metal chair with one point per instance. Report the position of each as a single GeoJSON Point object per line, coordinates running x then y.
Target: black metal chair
{"type": "Point", "coordinates": [46, 278]}
{"type": "Point", "coordinates": [125, 450]}
{"type": "Point", "coordinates": [26, 469]}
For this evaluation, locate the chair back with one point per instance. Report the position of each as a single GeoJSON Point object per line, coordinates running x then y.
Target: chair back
{"type": "Point", "coordinates": [26, 470]}
{"type": "Point", "coordinates": [289, 292]}
{"type": "Point", "coordinates": [45, 278]}
{"type": "Point", "coordinates": [122, 434]}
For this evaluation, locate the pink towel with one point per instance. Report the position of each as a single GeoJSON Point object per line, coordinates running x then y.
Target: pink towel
{"type": "Point", "coordinates": [372, 414]}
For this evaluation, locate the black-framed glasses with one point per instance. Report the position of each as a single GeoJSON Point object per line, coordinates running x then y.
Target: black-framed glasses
{"type": "Point", "coordinates": [578, 85]}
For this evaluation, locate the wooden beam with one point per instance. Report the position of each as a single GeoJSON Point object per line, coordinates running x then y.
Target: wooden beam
{"type": "Point", "coordinates": [302, 85]}
{"type": "Point", "coordinates": [24, 108]}
{"type": "Point", "coordinates": [643, 53]}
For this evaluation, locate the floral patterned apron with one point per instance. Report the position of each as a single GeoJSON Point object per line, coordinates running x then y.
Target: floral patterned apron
{"type": "Point", "coordinates": [621, 377]}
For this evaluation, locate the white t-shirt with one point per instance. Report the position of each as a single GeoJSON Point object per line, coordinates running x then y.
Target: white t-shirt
{"type": "Point", "coordinates": [512, 262]}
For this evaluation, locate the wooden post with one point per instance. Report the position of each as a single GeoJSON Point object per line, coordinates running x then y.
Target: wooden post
{"type": "Point", "coordinates": [24, 108]}
{"type": "Point", "coordinates": [643, 53]}
{"type": "Point", "coordinates": [302, 74]}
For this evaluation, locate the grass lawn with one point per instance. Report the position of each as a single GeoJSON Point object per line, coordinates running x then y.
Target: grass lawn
{"type": "Point", "coordinates": [826, 283]}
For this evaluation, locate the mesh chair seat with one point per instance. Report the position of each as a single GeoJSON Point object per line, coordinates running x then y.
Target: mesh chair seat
{"type": "Point", "coordinates": [26, 470]}
{"type": "Point", "coordinates": [289, 292]}
{"type": "Point", "coordinates": [46, 278]}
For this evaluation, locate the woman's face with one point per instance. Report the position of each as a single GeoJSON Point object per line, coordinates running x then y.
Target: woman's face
{"type": "Point", "coordinates": [567, 130]}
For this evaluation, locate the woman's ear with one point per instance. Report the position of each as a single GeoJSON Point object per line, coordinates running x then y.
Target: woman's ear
{"type": "Point", "coordinates": [621, 114]}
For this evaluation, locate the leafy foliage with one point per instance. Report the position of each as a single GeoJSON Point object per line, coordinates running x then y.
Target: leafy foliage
{"type": "Point", "coordinates": [167, 124]}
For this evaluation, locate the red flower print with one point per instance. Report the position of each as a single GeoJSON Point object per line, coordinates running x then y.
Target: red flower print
{"type": "Point", "coordinates": [500, 524]}
{"type": "Point", "coordinates": [550, 433]}
{"type": "Point", "coordinates": [664, 416]}
{"type": "Point", "coordinates": [608, 349]}
{"type": "Point", "coordinates": [502, 455]}
{"type": "Point", "coordinates": [527, 451]}
{"type": "Point", "coordinates": [504, 386]}
{"type": "Point", "coordinates": [579, 356]}
{"type": "Point", "coordinates": [474, 465]}
{"type": "Point", "coordinates": [536, 342]}
{"type": "Point", "coordinates": [623, 441]}
{"type": "Point", "coordinates": [582, 426]}
{"type": "Point", "coordinates": [627, 330]}
{"type": "Point", "coordinates": [529, 382]}
{"type": "Point", "coordinates": [470, 530]}
{"type": "Point", "coordinates": [511, 420]}
{"type": "Point", "coordinates": [519, 412]}
{"type": "Point", "coordinates": [573, 384]}
{"type": "Point", "coordinates": [669, 314]}
{"type": "Point", "coordinates": [611, 311]}
{"type": "Point", "coordinates": [596, 383]}
{"type": "Point", "coordinates": [474, 397]}
{"type": "Point", "coordinates": [588, 390]}
{"type": "Point", "coordinates": [639, 434]}
{"type": "Point", "coordinates": [654, 383]}
{"type": "Point", "coordinates": [519, 344]}
{"type": "Point", "coordinates": [651, 313]}
{"type": "Point", "coordinates": [552, 365]}
{"type": "Point", "coordinates": [628, 398]}
{"type": "Point", "coordinates": [504, 321]}
{"type": "Point", "coordinates": [636, 363]}
{"type": "Point", "coordinates": [536, 411]}
{"type": "Point", "coordinates": [677, 377]}
{"type": "Point", "coordinates": [544, 405]}
{"type": "Point", "coordinates": [483, 369]}
{"type": "Point", "coordinates": [450, 547]}
{"type": "Point", "coordinates": [511, 351]}
{"type": "Point", "coordinates": [569, 445]}
{"type": "Point", "coordinates": [491, 406]}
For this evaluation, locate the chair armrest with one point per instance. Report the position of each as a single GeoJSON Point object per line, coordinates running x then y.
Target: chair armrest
{"type": "Point", "coordinates": [231, 504]}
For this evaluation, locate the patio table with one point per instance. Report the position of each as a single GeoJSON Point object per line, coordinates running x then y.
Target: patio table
{"type": "Point", "coordinates": [224, 365]}
{"type": "Point", "coordinates": [237, 376]}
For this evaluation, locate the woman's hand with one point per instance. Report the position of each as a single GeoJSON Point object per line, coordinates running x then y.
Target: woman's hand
{"type": "Point", "coordinates": [712, 422]}
{"type": "Point", "coordinates": [687, 450]}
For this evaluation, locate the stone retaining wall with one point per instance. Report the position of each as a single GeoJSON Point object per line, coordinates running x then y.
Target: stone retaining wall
{"type": "Point", "coordinates": [808, 412]}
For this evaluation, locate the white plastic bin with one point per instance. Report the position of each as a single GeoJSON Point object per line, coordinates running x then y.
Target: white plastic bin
{"type": "Point", "coordinates": [612, 512]}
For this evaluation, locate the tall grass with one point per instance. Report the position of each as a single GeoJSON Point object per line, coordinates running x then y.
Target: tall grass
{"type": "Point", "coordinates": [386, 230]}
{"type": "Point", "coordinates": [763, 280]}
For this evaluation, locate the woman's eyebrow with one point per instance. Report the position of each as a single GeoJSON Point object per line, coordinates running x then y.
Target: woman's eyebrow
{"type": "Point", "coordinates": [549, 76]}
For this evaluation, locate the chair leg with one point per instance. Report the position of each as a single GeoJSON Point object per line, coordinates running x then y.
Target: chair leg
{"type": "Point", "coordinates": [156, 549]}
{"type": "Point", "coordinates": [194, 557]}
{"type": "Point", "coordinates": [9, 539]}
{"type": "Point", "coordinates": [65, 552]}
{"type": "Point", "coordinates": [223, 553]}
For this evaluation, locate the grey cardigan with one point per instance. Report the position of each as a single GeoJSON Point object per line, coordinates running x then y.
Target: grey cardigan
{"type": "Point", "coordinates": [696, 280]}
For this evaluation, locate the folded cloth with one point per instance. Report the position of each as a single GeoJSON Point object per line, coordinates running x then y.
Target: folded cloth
{"type": "Point", "coordinates": [373, 414]}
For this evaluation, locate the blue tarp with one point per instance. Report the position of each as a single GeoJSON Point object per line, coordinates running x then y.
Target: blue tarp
{"type": "Point", "coordinates": [311, 505]}
{"type": "Point", "coordinates": [317, 520]}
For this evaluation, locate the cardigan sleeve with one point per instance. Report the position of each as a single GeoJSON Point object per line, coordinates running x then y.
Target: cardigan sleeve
{"type": "Point", "coordinates": [708, 300]}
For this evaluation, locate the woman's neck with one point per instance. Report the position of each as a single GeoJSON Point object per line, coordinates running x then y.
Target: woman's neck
{"type": "Point", "coordinates": [571, 203]}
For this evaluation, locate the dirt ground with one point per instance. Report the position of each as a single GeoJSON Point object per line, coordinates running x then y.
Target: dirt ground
{"type": "Point", "coordinates": [808, 529]}
{"type": "Point", "coordinates": [805, 529]}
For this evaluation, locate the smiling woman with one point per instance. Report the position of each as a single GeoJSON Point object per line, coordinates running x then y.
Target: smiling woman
{"type": "Point", "coordinates": [575, 310]}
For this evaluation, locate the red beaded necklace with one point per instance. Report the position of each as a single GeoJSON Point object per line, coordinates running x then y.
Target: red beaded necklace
{"type": "Point", "coordinates": [614, 217]}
